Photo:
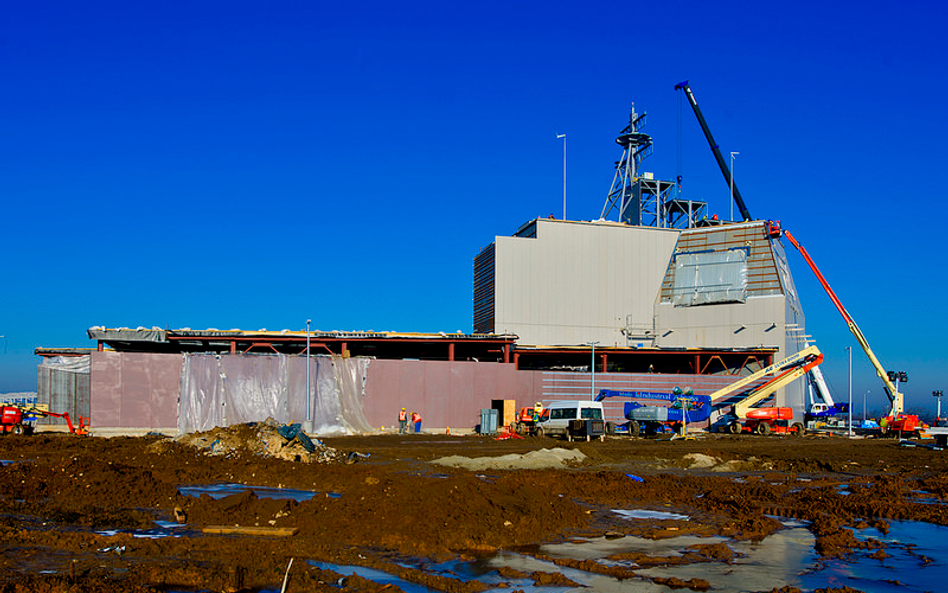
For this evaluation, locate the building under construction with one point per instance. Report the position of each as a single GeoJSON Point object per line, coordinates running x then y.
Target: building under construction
{"type": "Point", "coordinates": [659, 297]}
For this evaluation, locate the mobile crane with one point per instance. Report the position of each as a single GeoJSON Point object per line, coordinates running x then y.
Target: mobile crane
{"type": "Point", "coordinates": [683, 86]}
{"type": "Point", "coordinates": [897, 421]}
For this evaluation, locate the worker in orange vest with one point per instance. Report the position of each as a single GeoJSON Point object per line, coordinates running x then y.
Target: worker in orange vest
{"type": "Point", "coordinates": [402, 421]}
{"type": "Point", "coordinates": [537, 411]}
{"type": "Point", "coordinates": [416, 420]}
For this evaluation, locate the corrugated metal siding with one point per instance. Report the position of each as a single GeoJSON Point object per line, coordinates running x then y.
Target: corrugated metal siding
{"type": "Point", "coordinates": [484, 291]}
{"type": "Point", "coordinates": [65, 391]}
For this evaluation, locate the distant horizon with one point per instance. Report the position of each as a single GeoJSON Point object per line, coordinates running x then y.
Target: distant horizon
{"type": "Point", "coordinates": [207, 165]}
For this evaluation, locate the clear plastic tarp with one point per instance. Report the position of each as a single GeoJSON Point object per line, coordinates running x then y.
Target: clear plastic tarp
{"type": "Point", "coordinates": [712, 277]}
{"type": "Point", "coordinates": [72, 364]}
{"type": "Point", "coordinates": [221, 390]}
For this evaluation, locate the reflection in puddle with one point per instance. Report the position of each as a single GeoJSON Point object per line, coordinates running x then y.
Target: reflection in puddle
{"type": "Point", "coordinates": [916, 561]}
{"type": "Point", "coordinates": [594, 549]}
{"type": "Point", "coordinates": [219, 491]}
{"type": "Point", "coordinates": [643, 514]}
{"type": "Point", "coordinates": [382, 578]}
{"type": "Point", "coordinates": [776, 561]}
{"type": "Point", "coordinates": [162, 529]}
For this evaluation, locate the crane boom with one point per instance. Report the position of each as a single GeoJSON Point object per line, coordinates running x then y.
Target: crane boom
{"type": "Point", "coordinates": [895, 398]}
{"type": "Point", "coordinates": [795, 360]}
{"type": "Point", "coordinates": [781, 380]}
{"type": "Point", "coordinates": [683, 86]}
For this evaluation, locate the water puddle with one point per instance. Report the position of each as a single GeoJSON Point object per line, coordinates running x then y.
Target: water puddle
{"type": "Point", "coordinates": [917, 561]}
{"type": "Point", "coordinates": [923, 497]}
{"type": "Point", "coordinates": [644, 514]}
{"type": "Point", "coordinates": [377, 576]}
{"type": "Point", "coordinates": [162, 529]}
{"type": "Point", "coordinates": [914, 561]}
{"type": "Point", "coordinates": [780, 559]}
{"type": "Point", "coordinates": [219, 491]}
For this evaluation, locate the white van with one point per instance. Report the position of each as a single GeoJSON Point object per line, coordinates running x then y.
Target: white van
{"type": "Point", "coordinates": [557, 416]}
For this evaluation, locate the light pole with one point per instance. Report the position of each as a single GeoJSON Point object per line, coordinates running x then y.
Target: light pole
{"type": "Point", "coordinates": [733, 154]}
{"type": "Point", "coordinates": [592, 368]}
{"type": "Point", "coordinates": [563, 136]}
{"type": "Point", "coordinates": [850, 349]}
{"type": "Point", "coordinates": [309, 413]}
{"type": "Point", "coordinates": [938, 416]}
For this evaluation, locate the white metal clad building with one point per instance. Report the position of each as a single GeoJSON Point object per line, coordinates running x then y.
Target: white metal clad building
{"type": "Point", "coordinates": [564, 282]}
{"type": "Point", "coordinates": [561, 282]}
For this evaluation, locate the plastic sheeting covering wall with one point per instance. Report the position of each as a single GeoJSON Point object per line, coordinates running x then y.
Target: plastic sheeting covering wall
{"type": "Point", "coordinates": [705, 278]}
{"type": "Point", "coordinates": [221, 390]}
{"type": "Point", "coordinates": [63, 382]}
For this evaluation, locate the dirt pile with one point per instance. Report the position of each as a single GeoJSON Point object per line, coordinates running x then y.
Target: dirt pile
{"type": "Point", "coordinates": [265, 439]}
{"type": "Point", "coordinates": [542, 459]}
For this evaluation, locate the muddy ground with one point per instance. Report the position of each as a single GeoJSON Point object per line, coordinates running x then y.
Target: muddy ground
{"type": "Point", "coordinates": [60, 495]}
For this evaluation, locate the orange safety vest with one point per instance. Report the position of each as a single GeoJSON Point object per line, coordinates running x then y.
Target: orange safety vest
{"type": "Point", "coordinates": [403, 415]}
{"type": "Point", "coordinates": [415, 417]}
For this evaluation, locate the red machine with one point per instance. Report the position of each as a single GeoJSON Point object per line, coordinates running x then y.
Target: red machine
{"type": "Point", "coordinates": [901, 424]}
{"type": "Point", "coordinates": [764, 421]}
{"type": "Point", "coordinates": [526, 422]}
{"type": "Point", "coordinates": [896, 420]}
{"type": "Point", "coordinates": [17, 420]}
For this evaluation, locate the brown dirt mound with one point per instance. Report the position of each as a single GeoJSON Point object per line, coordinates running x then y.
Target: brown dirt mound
{"type": "Point", "coordinates": [57, 490]}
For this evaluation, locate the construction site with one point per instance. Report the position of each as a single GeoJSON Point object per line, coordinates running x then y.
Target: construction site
{"type": "Point", "coordinates": [638, 405]}
{"type": "Point", "coordinates": [654, 295]}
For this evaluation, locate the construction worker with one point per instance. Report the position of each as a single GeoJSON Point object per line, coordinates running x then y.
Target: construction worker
{"type": "Point", "coordinates": [416, 420]}
{"type": "Point", "coordinates": [537, 411]}
{"type": "Point", "coordinates": [402, 421]}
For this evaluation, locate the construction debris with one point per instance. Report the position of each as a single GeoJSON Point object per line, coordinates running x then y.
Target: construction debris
{"type": "Point", "coordinates": [267, 439]}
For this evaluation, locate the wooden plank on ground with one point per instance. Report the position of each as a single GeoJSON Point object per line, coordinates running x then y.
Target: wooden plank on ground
{"type": "Point", "coordinates": [241, 530]}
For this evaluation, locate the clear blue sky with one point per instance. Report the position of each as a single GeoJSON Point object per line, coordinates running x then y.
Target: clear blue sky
{"type": "Point", "coordinates": [252, 165]}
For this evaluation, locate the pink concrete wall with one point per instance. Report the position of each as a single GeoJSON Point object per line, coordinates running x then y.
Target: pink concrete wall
{"type": "Point", "coordinates": [135, 390]}
{"type": "Point", "coordinates": [140, 390]}
{"type": "Point", "coordinates": [452, 394]}
{"type": "Point", "coordinates": [446, 394]}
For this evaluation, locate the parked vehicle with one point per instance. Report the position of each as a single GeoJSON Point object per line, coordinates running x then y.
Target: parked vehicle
{"type": "Point", "coordinates": [650, 419]}
{"type": "Point", "coordinates": [572, 419]}
{"type": "Point", "coordinates": [825, 412]}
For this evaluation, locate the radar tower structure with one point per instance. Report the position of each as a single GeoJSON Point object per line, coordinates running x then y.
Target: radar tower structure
{"type": "Point", "coordinates": [639, 199]}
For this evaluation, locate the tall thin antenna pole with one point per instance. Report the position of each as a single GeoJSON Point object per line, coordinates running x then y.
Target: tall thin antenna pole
{"type": "Point", "coordinates": [309, 413]}
{"type": "Point", "coordinates": [563, 136]}
{"type": "Point", "coordinates": [733, 154]}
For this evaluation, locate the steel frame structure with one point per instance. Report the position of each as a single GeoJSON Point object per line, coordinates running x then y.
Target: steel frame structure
{"type": "Point", "coordinates": [641, 200]}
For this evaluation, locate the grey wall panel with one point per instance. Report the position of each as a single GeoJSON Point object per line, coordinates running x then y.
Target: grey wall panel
{"type": "Point", "coordinates": [579, 282]}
